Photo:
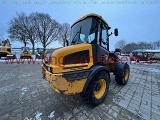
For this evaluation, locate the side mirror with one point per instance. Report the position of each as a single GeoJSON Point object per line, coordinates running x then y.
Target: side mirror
{"type": "Point", "coordinates": [116, 32]}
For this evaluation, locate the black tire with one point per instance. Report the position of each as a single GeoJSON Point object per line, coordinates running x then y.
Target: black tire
{"type": "Point", "coordinates": [123, 79]}
{"type": "Point", "coordinates": [90, 95]}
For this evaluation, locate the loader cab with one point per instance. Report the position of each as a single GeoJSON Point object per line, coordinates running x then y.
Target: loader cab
{"type": "Point", "coordinates": [25, 53]}
{"type": "Point", "coordinates": [39, 53]}
{"type": "Point", "coordinates": [40, 50]}
{"type": "Point", "coordinates": [92, 30]}
{"type": "Point", "coordinates": [5, 48]}
{"type": "Point", "coordinates": [25, 49]}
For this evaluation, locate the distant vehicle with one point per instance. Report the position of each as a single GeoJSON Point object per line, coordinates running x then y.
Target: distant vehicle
{"type": "Point", "coordinates": [39, 53]}
{"type": "Point", "coordinates": [145, 55]}
{"type": "Point", "coordinates": [120, 52]}
{"type": "Point", "coordinates": [25, 53]}
{"type": "Point", "coordinates": [5, 50]}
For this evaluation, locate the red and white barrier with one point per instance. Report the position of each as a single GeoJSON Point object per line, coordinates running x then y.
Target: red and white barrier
{"type": "Point", "coordinates": [124, 59]}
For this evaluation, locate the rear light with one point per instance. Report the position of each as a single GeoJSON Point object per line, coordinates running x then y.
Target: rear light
{"type": "Point", "coordinates": [48, 68]}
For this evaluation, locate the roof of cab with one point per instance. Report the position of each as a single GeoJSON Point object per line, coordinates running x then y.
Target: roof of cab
{"type": "Point", "coordinates": [90, 15]}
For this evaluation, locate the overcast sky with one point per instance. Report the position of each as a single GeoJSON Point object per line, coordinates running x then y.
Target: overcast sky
{"type": "Point", "coordinates": [137, 20]}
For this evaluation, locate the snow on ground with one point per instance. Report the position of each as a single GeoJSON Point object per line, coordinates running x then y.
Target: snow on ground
{"type": "Point", "coordinates": [152, 69]}
{"type": "Point", "coordinates": [37, 116]}
{"type": "Point", "coordinates": [155, 70]}
{"type": "Point", "coordinates": [27, 118]}
{"type": "Point", "coordinates": [2, 60]}
{"type": "Point", "coordinates": [24, 89]}
{"type": "Point", "coordinates": [51, 115]}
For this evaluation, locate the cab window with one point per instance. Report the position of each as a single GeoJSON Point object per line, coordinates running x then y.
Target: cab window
{"type": "Point", "coordinates": [103, 35]}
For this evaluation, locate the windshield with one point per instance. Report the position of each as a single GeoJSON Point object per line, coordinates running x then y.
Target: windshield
{"type": "Point", "coordinates": [84, 31]}
{"type": "Point", "coordinates": [25, 48]}
{"type": "Point", "coordinates": [39, 49]}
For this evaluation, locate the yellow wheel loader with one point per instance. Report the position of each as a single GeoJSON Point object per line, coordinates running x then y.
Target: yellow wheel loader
{"type": "Point", "coordinates": [5, 50]}
{"type": "Point", "coordinates": [84, 66]}
{"type": "Point", "coordinates": [25, 53]}
{"type": "Point", "coordinates": [40, 53]}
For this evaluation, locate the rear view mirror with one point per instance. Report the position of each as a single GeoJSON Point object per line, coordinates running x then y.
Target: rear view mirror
{"type": "Point", "coordinates": [116, 32]}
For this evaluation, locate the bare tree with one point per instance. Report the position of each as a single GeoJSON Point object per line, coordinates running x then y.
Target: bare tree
{"type": "Point", "coordinates": [30, 31]}
{"type": "Point", "coordinates": [64, 33]}
{"type": "Point", "coordinates": [143, 45]}
{"type": "Point", "coordinates": [1, 37]}
{"type": "Point", "coordinates": [120, 44]}
{"type": "Point", "coordinates": [140, 45]}
{"type": "Point", "coordinates": [17, 30]}
{"type": "Point", "coordinates": [47, 28]}
{"type": "Point", "coordinates": [22, 29]}
{"type": "Point", "coordinates": [130, 47]}
{"type": "Point", "coordinates": [156, 44]}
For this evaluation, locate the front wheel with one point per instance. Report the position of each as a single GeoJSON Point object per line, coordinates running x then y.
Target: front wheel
{"type": "Point", "coordinates": [97, 89]}
{"type": "Point", "coordinates": [123, 79]}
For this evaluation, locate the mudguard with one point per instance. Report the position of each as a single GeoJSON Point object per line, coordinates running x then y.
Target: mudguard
{"type": "Point", "coordinates": [94, 70]}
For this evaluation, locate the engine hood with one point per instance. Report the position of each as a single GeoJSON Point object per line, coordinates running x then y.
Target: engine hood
{"type": "Point", "coordinates": [58, 56]}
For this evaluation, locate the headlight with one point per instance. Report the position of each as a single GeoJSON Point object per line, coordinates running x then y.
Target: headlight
{"type": "Point", "coordinates": [49, 69]}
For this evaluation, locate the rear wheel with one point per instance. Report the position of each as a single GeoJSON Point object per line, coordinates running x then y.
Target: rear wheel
{"type": "Point", "coordinates": [97, 89]}
{"type": "Point", "coordinates": [123, 79]}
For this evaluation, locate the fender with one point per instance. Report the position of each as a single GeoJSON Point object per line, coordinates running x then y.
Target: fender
{"type": "Point", "coordinates": [94, 70]}
{"type": "Point", "coordinates": [119, 69]}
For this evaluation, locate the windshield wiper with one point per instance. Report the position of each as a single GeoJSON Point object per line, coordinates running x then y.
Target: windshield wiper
{"type": "Point", "coordinates": [78, 33]}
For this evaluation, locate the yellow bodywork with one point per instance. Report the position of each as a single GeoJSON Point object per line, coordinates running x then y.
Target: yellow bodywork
{"type": "Point", "coordinates": [59, 54]}
{"type": "Point", "coordinates": [90, 15]}
{"type": "Point", "coordinates": [99, 93]}
{"type": "Point", "coordinates": [126, 74]}
{"type": "Point", "coordinates": [55, 76]}
{"type": "Point", "coordinates": [4, 50]}
{"type": "Point", "coordinates": [25, 54]}
{"type": "Point", "coordinates": [58, 83]}
{"type": "Point", "coordinates": [5, 47]}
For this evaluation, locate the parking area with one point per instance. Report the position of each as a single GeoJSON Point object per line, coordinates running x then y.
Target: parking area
{"type": "Point", "coordinates": [24, 95]}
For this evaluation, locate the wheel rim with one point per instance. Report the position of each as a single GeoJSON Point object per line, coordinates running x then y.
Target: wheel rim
{"type": "Point", "coordinates": [100, 88]}
{"type": "Point", "coordinates": [126, 74]}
